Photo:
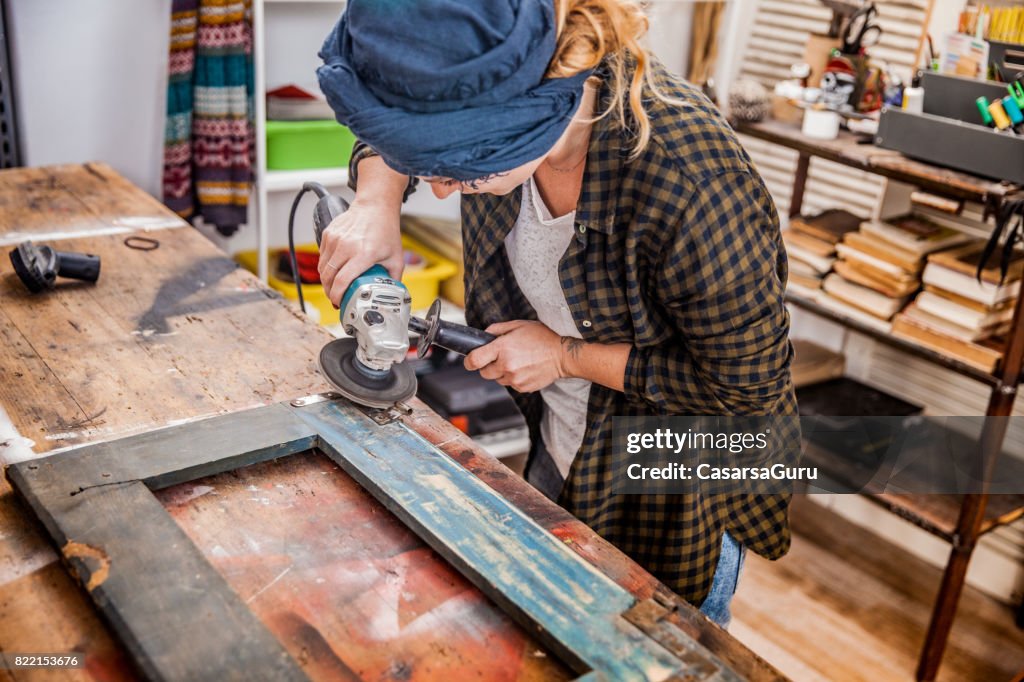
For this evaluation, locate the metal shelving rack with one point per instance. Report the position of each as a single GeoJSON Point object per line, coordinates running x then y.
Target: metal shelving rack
{"type": "Point", "coordinates": [958, 519]}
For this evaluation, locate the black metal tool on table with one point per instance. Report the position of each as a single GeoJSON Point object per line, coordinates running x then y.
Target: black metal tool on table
{"type": "Point", "coordinates": [368, 368]}
{"type": "Point", "coordinates": [39, 266]}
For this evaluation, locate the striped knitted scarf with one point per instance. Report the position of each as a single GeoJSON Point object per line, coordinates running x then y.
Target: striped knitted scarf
{"type": "Point", "coordinates": [208, 142]}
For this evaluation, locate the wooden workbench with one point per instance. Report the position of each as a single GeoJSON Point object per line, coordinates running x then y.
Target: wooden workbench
{"type": "Point", "coordinates": [178, 333]}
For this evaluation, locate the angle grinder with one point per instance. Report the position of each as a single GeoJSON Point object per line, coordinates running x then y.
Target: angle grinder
{"type": "Point", "coordinates": [368, 367]}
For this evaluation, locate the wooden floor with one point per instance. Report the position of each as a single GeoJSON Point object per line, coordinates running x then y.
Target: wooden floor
{"type": "Point", "coordinates": [846, 605]}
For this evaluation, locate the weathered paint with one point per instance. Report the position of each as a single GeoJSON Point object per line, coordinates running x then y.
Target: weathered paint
{"type": "Point", "coordinates": [364, 593]}
{"type": "Point", "coordinates": [532, 574]}
{"type": "Point", "coordinates": [577, 609]}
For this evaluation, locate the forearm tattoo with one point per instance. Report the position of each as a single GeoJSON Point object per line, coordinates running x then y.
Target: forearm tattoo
{"type": "Point", "coordinates": [573, 346]}
{"type": "Point", "coordinates": [475, 184]}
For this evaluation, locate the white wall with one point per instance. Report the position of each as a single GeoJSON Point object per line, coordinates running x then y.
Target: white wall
{"type": "Point", "coordinates": [945, 15]}
{"type": "Point", "coordinates": [294, 33]}
{"type": "Point", "coordinates": [732, 41]}
{"type": "Point", "coordinates": [669, 34]}
{"type": "Point", "coordinates": [90, 81]}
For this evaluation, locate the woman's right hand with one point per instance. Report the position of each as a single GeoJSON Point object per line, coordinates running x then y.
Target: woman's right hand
{"type": "Point", "coordinates": [356, 240]}
{"type": "Point", "coordinates": [367, 233]}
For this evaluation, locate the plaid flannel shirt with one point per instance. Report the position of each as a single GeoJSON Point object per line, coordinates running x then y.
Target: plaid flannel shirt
{"type": "Point", "coordinates": [677, 253]}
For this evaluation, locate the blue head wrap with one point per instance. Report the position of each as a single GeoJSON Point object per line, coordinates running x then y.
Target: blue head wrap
{"type": "Point", "coordinates": [449, 88]}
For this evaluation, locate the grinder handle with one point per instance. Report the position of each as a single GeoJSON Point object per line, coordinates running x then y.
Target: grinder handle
{"type": "Point", "coordinates": [461, 339]}
{"type": "Point", "coordinates": [81, 266]}
{"type": "Point", "coordinates": [327, 209]}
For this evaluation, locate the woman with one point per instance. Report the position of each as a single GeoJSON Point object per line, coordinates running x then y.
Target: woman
{"type": "Point", "coordinates": [617, 239]}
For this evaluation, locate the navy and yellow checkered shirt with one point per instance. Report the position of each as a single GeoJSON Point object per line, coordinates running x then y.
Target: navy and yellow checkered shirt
{"type": "Point", "coordinates": [677, 253]}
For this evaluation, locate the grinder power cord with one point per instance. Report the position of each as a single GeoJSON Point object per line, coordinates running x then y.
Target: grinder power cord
{"type": "Point", "coordinates": [368, 368]}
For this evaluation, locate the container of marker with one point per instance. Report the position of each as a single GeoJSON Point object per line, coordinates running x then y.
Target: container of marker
{"type": "Point", "coordinates": [963, 114]}
{"type": "Point", "coordinates": [955, 96]}
{"type": "Point", "coordinates": [1013, 111]}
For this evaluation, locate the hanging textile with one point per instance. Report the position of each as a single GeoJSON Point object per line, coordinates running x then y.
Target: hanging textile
{"type": "Point", "coordinates": [208, 142]}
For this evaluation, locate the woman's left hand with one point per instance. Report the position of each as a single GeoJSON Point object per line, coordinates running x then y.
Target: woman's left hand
{"type": "Point", "coordinates": [526, 356]}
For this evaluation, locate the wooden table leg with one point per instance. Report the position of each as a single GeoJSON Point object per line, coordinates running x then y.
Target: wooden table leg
{"type": "Point", "coordinates": [796, 200]}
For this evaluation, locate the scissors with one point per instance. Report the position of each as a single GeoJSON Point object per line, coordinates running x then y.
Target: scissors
{"type": "Point", "coordinates": [860, 32]}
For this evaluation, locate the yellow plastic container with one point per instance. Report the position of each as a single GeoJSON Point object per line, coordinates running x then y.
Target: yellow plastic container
{"type": "Point", "coordinates": [423, 281]}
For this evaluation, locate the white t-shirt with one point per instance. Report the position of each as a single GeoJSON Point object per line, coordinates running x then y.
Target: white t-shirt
{"type": "Point", "coordinates": [535, 245]}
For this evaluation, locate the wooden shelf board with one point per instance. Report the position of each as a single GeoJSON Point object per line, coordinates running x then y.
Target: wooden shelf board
{"type": "Point", "coordinates": [891, 339]}
{"type": "Point", "coordinates": [933, 512]}
{"type": "Point", "coordinates": [847, 150]}
{"type": "Point", "coordinates": [291, 180]}
{"type": "Point", "coordinates": [938, 514]}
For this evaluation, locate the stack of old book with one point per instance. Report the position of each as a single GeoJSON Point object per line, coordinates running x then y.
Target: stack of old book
{"type": "Point", "coordinates": [811, 246]}
{"type": "Point", "coordinates": [879, 266]}
{"type": "Point", "coordinates": [956, 314]}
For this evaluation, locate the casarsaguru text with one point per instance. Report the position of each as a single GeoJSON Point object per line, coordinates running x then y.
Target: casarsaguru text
{"type": "Point", "coordinates": [707, 472]}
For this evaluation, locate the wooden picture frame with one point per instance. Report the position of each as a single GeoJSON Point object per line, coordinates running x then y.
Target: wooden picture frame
{"type": "Point", "coordinates": [178, 618]}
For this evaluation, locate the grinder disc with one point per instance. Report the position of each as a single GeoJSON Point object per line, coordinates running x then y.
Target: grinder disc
{"type": "Point", "coordinates": [338, 364]}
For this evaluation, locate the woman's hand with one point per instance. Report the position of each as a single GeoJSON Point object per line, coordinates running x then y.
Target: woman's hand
{"type": "Point", "coordinates": [526, 356]}
{"type": "Point", "coordinates": [367, 233]}
{"type": "Point", "coordinates": [356, 240]}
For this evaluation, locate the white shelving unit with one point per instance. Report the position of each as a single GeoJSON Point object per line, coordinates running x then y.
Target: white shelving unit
{"type": "Point", "coordinates": [277, 23]}
{"type": "Point", "coordinates": [292, 180]}
{"type": "Point", "coordinates": [260, 105]}
{"type": "Point", "coordinates": [287, 37]}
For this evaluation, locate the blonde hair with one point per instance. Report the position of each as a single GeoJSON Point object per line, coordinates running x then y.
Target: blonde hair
{"type": "Point", "coordinates": [593, 31]}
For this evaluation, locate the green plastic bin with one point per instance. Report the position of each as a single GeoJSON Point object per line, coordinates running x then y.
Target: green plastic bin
{"type": "Point", "coordinates": [294, 145]}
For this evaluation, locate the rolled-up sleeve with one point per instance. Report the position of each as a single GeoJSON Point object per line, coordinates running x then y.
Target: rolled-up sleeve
{"type": "Point", "coordinates": [360, 151]}
{"type": "Point", "coordinates": [720, 283]}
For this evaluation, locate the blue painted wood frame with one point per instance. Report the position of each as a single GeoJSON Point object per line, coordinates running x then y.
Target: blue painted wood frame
{"type": "Point", "coordinates": [87, 498]}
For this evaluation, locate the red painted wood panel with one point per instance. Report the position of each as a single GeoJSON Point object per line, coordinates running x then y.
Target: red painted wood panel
{"type": "Point", "coordinates": [349, 591]}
